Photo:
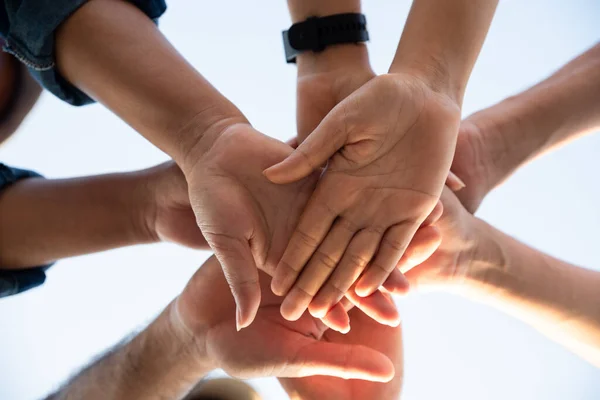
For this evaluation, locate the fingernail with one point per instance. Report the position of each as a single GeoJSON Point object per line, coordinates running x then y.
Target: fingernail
{"type": "Point", "coordinates": [238, 319]}
{"type": "Point", "coordinates": [346, 330]}
{"type": "Point", "coordinates": [456, 183]}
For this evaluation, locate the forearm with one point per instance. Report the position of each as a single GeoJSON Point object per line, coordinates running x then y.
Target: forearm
{"type": "Point", "coordinates": [558, 299]}
{"type": "Point", "coordinates": [114, 53]}
{"type": "Point", "coordinates": [548, 115]}
{"type": "Point", "coordinates": [441, 41]}
{"type": "Point", "coordinates": [45, 220]}
{"type": "Point", "coordinates": [162, 362]}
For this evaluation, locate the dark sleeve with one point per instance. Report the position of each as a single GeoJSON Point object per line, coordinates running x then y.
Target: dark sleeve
{"type": "Point", "coordinates": [28, 27]}
{"type": "Point", "coordinates": [17, 281]}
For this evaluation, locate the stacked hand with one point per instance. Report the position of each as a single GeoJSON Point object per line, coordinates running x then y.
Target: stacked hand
{"type": "Point", "coordinates": [272, 346]}
{"type": "Point", "coordinates": [389, 146]}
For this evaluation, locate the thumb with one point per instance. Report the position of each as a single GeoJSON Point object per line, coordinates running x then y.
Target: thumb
{"type": "Point", "coordinates": [241, 274]}
{"type": "Point", "coordinates": [311, 154]}
{"type": "Point", "coordinates": [343, 361]}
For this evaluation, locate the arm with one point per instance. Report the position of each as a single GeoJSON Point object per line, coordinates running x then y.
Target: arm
{"type": "Point", "coordinates": [46, 220]}
{"type": "Point", "coordinates": [557, 298]}
{"type": "Point", "coordinates": [326, 78]}
{"type": "Point", "coordinates": [441, 41]}
{"type": "Point", "coordinates": [483, 264]}
{"type": "Point", "coordinates": [161, 362]}
{"type": "Point", "coordinates": [495, 142]}
{"type": "Point", "coordinates": [116, 54]}
{"type": "Point", "coordinates": [388, 148]}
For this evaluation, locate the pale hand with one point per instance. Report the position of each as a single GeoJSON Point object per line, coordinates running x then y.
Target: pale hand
{"type": "Point", "coordinates": [271, 346]}
{"type": "Point", "coordinates": [450, 264]}
{"type": "Point", "coordinates": [367, 332]}
{"type": "Point", "coordinates": [389, 145]}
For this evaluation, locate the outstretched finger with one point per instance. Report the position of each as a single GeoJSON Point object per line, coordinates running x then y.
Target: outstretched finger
{"type": "Point", "coordinates": [340, 360]}
{"type": "Point", "coordinates": [392, 247]}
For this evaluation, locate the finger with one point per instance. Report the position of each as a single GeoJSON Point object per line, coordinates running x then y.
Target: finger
{"type": "Point", "coordinates": [428, 240]}
{"type": "Point", "coordinates": [356, 257]}
{"type": "Point", "coordinates": [313, 227]}
{"type": "Point", "coordinates": [340, 360]}
{"type": "Point", "coordinates": [337, 319]}
{"type": "Point", "coordinates": [396, 282]}
{"type": "Point", "coordinates": [320, 267]}
{"type": "Point", "coordinates": [454, 182]}
{"type": "Point", "coordinates": [311, 154]}
{"type": "Point", "coordinates": [241, 274]}
{"type": "Point", "coordinates": [423, 245]}
{"type": "Point", "coordinates": [435, 214]}
{"type": "Point", "coordinates": [377, 306]}
{"type": "Point", "coordinates": [392, 247]}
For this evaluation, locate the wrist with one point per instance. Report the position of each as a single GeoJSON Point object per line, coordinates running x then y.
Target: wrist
{"type": "Point", "coordinates": [435, 75]}
{"type": "Point", "coordinates": [339, 57]}
{"type": "Point", "coordinates": [201, 136]}
{"type": "Point", "coordinates": [508, 135]}
{"type": "Point", "coordinates": [193, 341]}
{"type": "Point", "coordinates": [300, 10]}
{"type": "Point", "coordinates": [486, 263]}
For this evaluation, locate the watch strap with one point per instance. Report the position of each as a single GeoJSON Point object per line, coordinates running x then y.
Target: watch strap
{"type": "Point", "coordinates": [316, 33]}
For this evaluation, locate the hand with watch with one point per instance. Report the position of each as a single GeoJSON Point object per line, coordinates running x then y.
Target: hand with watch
{"type": "Point", "coordinates": [388, 142]}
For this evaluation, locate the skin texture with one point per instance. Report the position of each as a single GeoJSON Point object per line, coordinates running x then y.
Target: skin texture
{"type": "Point", "coordinates": [388, 148]}
{"type": "Point", "coordinates": [197, 333]}
{"type": "Point", "coordinates": [93, 214]}
{"type": "Point", "coordinates": [271, 345]}
{"type": "Point", "coordinates": [493, 143]}
{"type": "Point", "coordinates": [114, 53]}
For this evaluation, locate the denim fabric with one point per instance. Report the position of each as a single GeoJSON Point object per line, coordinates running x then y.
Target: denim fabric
{"type": "Point", "coordinates": [28, 27]}
{"type": "Point", "coordinates": [17, 281]}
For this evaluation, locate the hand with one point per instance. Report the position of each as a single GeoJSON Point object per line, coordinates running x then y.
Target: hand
{"type": "Point", "coordinates": [245, 219]}
{"type": "Point", "coordinates": [271, 346]}
{"type": "Point", "coordinates": [479, 151]}
{"type": "Point", "coordinates": [169, 215]}
{"type": "Point", "coordinates": [365, 331]}
{"type": "Point", "coordinates": [325, 79]}
{"type": "Point", "coordinates": [391, 144]}
{"type": "Point", "coordinates": [451, 264]}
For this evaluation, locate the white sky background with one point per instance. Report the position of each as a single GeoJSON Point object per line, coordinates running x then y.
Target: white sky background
{"type": "Point", "coordinates": [454, 349]}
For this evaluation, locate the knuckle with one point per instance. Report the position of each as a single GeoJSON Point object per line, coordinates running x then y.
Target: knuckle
{"type": "Point", "coordinates": [307, 239]}
{"type": "Point", "coordinates": [386, 269]}
{"type": "Point", "coordinates": [348, 225]}
{"type": "Point", "coordinates": [357, 262]}
{"type": "Point", "coordinates": [325, 259]}
{"type": "Point", "coordinates": [395, 244]}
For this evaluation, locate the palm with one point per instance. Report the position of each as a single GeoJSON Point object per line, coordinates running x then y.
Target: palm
{"type": "Point", "coordinates": [271, 346]}
{"type": "Point", "coordinates": [369, 333]}
{"type": "Point", "coordinates": [392, 143]}
{"type": "Point", "coordinates": [246, 220]}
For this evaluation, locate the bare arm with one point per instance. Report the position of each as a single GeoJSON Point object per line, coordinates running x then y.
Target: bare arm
{"type": "Point", "coordinates": [162, 362]}
{"type": "Point", "coordinates": [114, 53]}
{"type": "Point", "coordinates": [559, 299]}
{"type": "Point", "coordinates": [45, 220]}
{"type": "Point", "coordinates": [441, 41]}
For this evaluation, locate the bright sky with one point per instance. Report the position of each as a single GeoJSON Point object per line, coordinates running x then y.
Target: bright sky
{"type": "Point", "coordinates": [454, 349]}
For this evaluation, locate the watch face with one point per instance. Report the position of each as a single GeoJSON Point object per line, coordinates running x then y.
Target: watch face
{"type": "Point", "coordinates": [290, 52]}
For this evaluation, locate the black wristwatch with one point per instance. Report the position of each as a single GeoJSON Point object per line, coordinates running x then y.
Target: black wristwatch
{"type": "Point", "coordinates": [316, 33]}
